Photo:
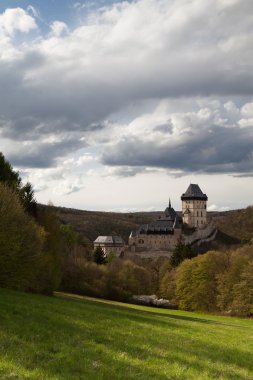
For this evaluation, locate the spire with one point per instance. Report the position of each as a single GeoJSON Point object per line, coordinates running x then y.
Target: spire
{"type": "Point", "coordinates": [169, 203]}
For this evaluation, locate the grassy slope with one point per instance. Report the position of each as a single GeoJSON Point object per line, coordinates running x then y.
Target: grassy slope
{"type": "Point", "coordinates": [55, 338]}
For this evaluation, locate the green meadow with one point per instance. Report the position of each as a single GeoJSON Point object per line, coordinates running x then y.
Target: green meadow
{"type": "Point", "coordinates": [65, 337]}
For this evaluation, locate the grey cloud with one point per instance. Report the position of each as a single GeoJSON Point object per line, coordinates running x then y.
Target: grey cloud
{"type": "Point", "coordinates": [75, 85]}
{"type": "Point", "coordinates": [44, 155]}
{"type": "Point", "coordinates": [128, 171]}
{"type": "Point", "coordinates": [212, 150]}
{"type": "Point", "coordinates": [165, 128]}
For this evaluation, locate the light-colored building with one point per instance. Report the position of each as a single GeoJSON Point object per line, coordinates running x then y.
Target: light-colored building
{"type": "Point", "coordinates": [194, 207]}
{"type": "Point", "coordinates": [159, 235]}
{"type": "Point", "coordinates": [114, 244]}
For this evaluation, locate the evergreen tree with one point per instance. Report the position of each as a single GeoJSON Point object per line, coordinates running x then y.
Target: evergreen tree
{"type": "Point", "coordinates": [181, 252]}
{"type": "Point", "coordinates": [12, 179]}
{"type": "Point", "coordinates": [99, 256]}
{"type": "Point", "coordinates": [8, 175]}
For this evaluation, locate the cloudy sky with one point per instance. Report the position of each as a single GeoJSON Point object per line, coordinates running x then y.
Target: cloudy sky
{"type": "Point", "coordinates": [118, 106]}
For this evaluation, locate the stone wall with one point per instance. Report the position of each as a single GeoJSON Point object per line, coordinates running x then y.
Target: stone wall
{"type": "Point", "coordinates": [201, 235]}
{"type": "Point", "coordinates": [156, 242]}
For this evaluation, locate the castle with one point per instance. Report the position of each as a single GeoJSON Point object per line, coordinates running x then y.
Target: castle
{"type": "Point", "coordinates": [162, 234]}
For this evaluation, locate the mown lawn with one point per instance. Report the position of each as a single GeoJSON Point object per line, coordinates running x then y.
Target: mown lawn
{"type": "Point", "coordinates": [64, 338]}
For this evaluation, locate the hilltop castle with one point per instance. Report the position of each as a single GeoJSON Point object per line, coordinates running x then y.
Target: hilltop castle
{"type": "Point", "coordinates": [162, 234]}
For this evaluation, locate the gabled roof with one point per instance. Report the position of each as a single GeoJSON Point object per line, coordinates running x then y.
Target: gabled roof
{"type": "Point", "coordinates": [109, 240]}
{"type": "Point", "coordinates": [194, 193]}
{"type": "Point", "coordinates": [165, 224]}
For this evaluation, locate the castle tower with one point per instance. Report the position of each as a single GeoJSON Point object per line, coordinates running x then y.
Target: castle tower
{"type": "Point", "coordinates": [194, 206]}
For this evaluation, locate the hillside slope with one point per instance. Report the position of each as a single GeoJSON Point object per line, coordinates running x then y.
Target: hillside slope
{"type": "Point", "coordinates": [234, 226]}
{"type": "Point", "coordinates": [237, 223]}
{"type": "Point", "coordinates": [63, 339]}
{"type": "Point", "coordinates": [91, 224]}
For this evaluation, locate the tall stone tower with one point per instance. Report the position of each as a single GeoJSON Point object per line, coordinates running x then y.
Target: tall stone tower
{"type": "Point", "coordinates": [194, 206]}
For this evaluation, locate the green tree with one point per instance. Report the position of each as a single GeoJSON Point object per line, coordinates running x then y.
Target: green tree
{"type": "Point", "coordinates": [196, 281]}
{"type": "Point", "coordinates": [12, 179]}
{"type": "Point", "coordinates": [50, 268]}
{"type": "Point", "coordinates": [99, 256]}
{"type": "Point", "coordinates": [8, 175]}
{"type": "Point", "coordinates": [242, 303]}
{"type": "Point", "coordinates": [21, 243]}
{"type": "Point", "coordinates": [134, 278]}
{"type": "Point", "coordinates": [181, 252]}
{"type": "Point", "coordinates": [235, 285]}
{"type": "Point", "coordinates": [168, 286]}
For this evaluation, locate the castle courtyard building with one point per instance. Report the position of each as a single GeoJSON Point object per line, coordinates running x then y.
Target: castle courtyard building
{"type": "Point", "coordinates": [159, 235]}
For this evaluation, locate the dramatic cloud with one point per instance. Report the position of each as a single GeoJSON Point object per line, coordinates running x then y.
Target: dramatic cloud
{"type": "Point", "coordinates": [209, 140]}
{"type": "Point", "coordinates": [68, 82]}
{"type": "Point", "coordinates": [144, 85]}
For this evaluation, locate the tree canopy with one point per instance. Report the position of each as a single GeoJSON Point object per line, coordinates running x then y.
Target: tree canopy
{"type": "Point", "coordinates": [12, 179]}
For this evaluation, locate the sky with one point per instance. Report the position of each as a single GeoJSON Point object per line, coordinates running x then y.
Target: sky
{"type": "Point", "coordinates": [119, 106]}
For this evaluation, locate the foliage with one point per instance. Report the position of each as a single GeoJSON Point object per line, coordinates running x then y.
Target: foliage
{"type": "Point", "coordinates": [235, 284]}
{"type": "Point", "coordinates": [196, 284]}
{"type": "Point", "coordinates": [12, 179]}
{"type": "Point", "coordinates": [8, 175]}
{"type": "Point", "coordinates": [87, 339]}
{"type": "Point", "coordinates": [134, 278]}
{"type": "Point", "coordinates": [168, 286]}
{"type": "Point", "coordinates": [181, 252]}
{"type": "Point", "coordinates": [99, 256]}
{"type": "Point", "coordinates": [237, 223]}
{"type": "Point", "coordinates": [21, 243]}
{"type": "Point", "coordinates": [50, 269]}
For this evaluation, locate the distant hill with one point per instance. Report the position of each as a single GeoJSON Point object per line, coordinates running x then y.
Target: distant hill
{"type": "Point", "coordinates": [236, 223]}
{"type": "Point", "coordinates": [234, 226]}
{"type": "Point", "coordinates": [91, 224]}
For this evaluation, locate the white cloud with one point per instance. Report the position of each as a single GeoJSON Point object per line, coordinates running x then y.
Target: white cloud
{"type": "Point", "coordinates": [16, 19]}
{"type": "Point", "coordinates": [69, 186]}
{"type": "Point", "coordinates": [59, 28]}
{"type": "Point", "coordinates": [33, 11]}
{"type": "Point", "coordinates": [214, 207]}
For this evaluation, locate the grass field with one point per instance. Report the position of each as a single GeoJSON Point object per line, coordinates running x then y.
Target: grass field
{"type": "Point", "coordinates": [64, 338]}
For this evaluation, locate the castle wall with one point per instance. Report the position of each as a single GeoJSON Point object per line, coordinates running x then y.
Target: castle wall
{"type": "Point", "coordinates": [116, 249]}
{"type": "Point", "coordinates": [156, 242]}
{"type": "Point", "coordinates": [204, 234]}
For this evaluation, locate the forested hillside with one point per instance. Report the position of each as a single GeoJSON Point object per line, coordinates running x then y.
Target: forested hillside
{"type": "Point", "coordinates": [235, 227]}
{"type": "Point", "coordinates": [91, 224]}
{"type": "Point", "coordinates": [237, 223]}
